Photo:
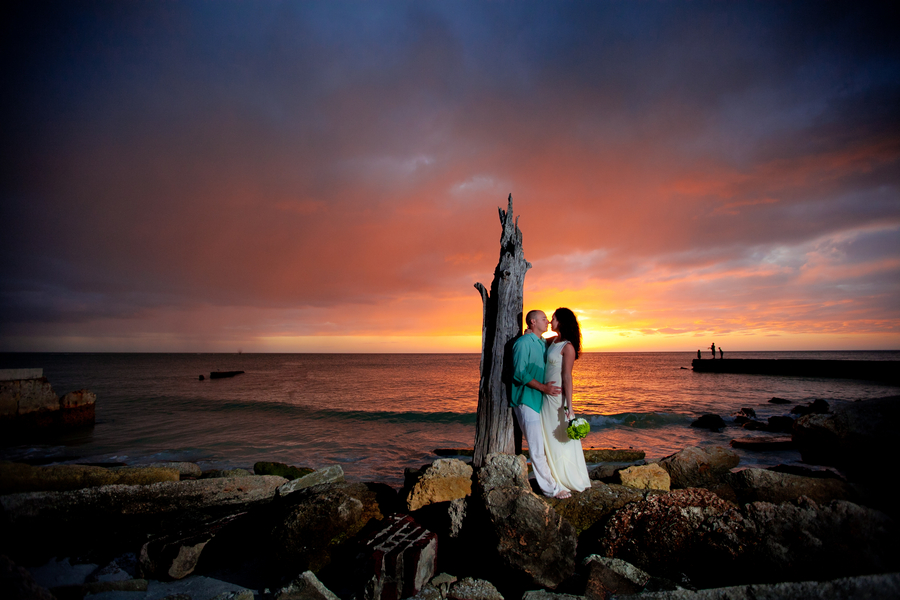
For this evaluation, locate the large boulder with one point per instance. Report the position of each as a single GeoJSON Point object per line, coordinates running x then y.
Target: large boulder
{"type": "Point", "coordinates": [608, 576]}
{"type": "Point", "coordinates": [306, 586]}
{"type": "Point", "coordinates": [77, 409]}
{"type": "Point", "coordinates": [714, 543]}
{"type": "Point", "coordinates": [308, 525]}
{"type": "Point", "coordinates": [529, 536]}
{"type": "Point", "coordinates": [673, 533]}
{"type": "Point", "coordinates": [175, 555]}
{"type": "Point", "coordinates": [443, 480]}
{"type": "Point", "coordinates": [753, 485]}
{"type": "Point", "coordinates": [289, 472]}
{"type": "Point", "coordinates": [699, 466]}
{"type": "Point", "coordinates": [591, 507]}
{"type": "Point", "coordinates": [853, 436]}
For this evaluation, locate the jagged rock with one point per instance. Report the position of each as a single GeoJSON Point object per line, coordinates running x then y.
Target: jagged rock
{"type": "Point", "coordinates": [120, 569]}
{"type": "Point", "coordinates": [777, 400]}
{"type": "Point", "coordinates": [709, 421]}
{"type": "Point", "coordinates": [429, 592]}
{"type": "Point", "coordinates": [445, 479]}
{"type": "Point", "coordinates": [781, 424]}
{"type": "Point", "coordinates": [16, 583]}
{"type": "Point", "coordinates": [696, 533]}
{"type": "Point", "coordinates": [234, 595]}
{"type": "Point", "coordinates": [699, 467]}
{"type": "Point", "coordinates": [608, 576]}
{"type": "Point", "coordinates": [18, 478]}
{"type": "Point", "coordinates": [746, 412]}
{"type": "Point", "coordinates": [330, 474]}
{"type": "Point", "coordinates": [865, 586]}
{"type": "Point", "coordinates": [473, 589]}
{"type": "Point", "coordinates": [609, 472]}
{"type": "Point", "coordinates": [502, 470]}
{"type": "Point", "coordinates": [752, 485]}
{"type": "Point", "coordinates": [590, 507]}
{"type": "Point", "coordinates": [624, 455]}
{"type": "Point", "coordinates": [755, 426]}
{"type": "Point", "coordinates": [305, 587]}
{"type": "Point", "coordinates": [646, 477]}
{"type": "Point", "coordinates": [185, 469]}
{"type": "Point", "coordinates": [531, 538]}
{"type": "Point", "coordinates": [175, 556]}
{"type": "Point", "coordinates": [282, 470]}
{"type": "Point", "coordinates": [672, 533]}
{"type": "Point", "coordinates": [851, 436]}
{"type": "Point", "coordinates": [311, 523]}
{"type": "Point", "coordinates": [402, 559]}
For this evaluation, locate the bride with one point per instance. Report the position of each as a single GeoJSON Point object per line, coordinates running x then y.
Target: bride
{"type": "Point", "coordinates": [564, 455]}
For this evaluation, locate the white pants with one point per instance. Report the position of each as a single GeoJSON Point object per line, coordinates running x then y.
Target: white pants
{"type": "Point", "coordinates": [530, 423]}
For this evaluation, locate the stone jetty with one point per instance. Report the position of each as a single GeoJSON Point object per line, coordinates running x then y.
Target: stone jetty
{"type": "Point", "coordinates": [874, 370]}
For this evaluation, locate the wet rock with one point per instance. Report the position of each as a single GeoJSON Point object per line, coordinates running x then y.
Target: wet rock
{"type": "Point", "coordinates": [227, 473]}
{"type": "Point", "coordinates": [646, 477]}
{"type": "Point", "coordinates": [77, 409]}
{"type": "Point", "coordinates": [308, 525]}
{"type": "Point", "coordinates": [699, 466]}
{"type": "Point", "coordinates": [608, 576]}
{"type": "Point", "coordinates": [469, 588]}
{"type": "Point", "coordinates": [777, 400]}
{"type": "Point", "coordinates": [402, 557]}
{"type": "Point", "coordinates": [120, 569]}
{"type": "Point", "coordinates": [445, 479]}
{"type": "Point", "coordinates": [18, 478]}
{"type": "Point", "coordinates": [746, 412]}
{"type": "Point", "coordinates": [709, 421]}
{"type": "Point", "coordinates": [331, 474]}
{"type": "Point", "coordinates": [281, 470]}
{"type": "Point", "coordinates": [755, 426]}
{"type": "Point", "coordinates": [806, 471]}
{"type": "Point", "coordinates": [753, 485]}
{"type": "Point", "coordinates": [622, 455]}
{"type": "Point", "coordinates": [609, 472]}
{"type": "Point", "coordinates": [305, 587]}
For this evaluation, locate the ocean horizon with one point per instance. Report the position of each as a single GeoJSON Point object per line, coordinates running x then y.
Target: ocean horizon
{"type": "Point", "coordinates": [377, 414]}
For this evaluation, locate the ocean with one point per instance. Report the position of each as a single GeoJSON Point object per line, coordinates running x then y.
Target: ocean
{"type": "Point", "coordinates": [375, 414]}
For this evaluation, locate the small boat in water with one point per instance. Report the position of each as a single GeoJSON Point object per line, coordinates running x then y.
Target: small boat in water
{"type": "Point", "coordinates": [223, 374]}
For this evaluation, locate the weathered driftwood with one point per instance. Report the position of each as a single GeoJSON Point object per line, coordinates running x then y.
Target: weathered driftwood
{"type": "Point", "coordinates": [501, 325]}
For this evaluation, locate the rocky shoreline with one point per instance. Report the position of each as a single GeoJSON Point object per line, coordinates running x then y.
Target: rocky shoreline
{"type": "Point", "coordinates": [691, 525]}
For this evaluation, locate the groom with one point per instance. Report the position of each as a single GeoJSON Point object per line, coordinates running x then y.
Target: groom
{"type": "Point", "coordinates": [528, 388]}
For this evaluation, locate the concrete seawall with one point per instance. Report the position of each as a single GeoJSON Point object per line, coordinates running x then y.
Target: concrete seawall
{"type": "Point", "coordinates": [874, 370]}
{"type": "Point", "coordinates": [30, 407]}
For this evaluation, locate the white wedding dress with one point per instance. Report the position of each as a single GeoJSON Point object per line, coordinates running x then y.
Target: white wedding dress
{"type": "Point", "coordinates": [564, 455]}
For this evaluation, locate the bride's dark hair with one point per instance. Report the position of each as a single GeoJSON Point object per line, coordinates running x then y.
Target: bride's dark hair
{"type": "Point", "coordinates": [568, 328]}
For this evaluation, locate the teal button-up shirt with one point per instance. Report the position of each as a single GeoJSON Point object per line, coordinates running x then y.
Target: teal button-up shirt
{"type": "Point", "coordinates": [528, 364]}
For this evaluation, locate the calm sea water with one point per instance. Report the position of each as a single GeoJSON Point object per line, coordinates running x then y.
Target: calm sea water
{"type": "Point", "coordinates": [375, 414]}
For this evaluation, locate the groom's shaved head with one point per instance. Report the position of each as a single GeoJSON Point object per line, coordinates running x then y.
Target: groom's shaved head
{"type": "Point", "coordinates": [531, 316]}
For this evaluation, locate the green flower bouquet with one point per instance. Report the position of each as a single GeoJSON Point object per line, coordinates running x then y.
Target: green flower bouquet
{"type": "Point", "coordinates": [578, 428]}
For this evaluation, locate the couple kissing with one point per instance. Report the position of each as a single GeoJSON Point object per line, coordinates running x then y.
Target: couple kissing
{"type": "Point", "coordinates": [542, 401]}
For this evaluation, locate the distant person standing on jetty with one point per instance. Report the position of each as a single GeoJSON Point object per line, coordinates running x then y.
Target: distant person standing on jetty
{"type": "Point", "coordinates": [528, 388]}
{"type": "Point", "coordinates": [721, 352]}
{"type": "Point", "coordinates": [698, 355]}
{"type": "Point", "coordinates": [713, 348]}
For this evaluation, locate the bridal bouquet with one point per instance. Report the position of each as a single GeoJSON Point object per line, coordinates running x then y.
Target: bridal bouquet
{"type": "Point", "coordinates": [578, 428]}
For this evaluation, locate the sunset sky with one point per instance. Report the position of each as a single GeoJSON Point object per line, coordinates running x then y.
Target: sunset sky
{"type": "Point", "coordinates": [325, 176]}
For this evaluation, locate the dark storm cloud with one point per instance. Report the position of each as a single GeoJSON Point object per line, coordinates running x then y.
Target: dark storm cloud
{"type": "Point", "coordinates": [291, 155]}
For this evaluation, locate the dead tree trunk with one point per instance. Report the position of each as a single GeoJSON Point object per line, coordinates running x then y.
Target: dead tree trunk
{"type": "Point", "coordinates": [501, 325]}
